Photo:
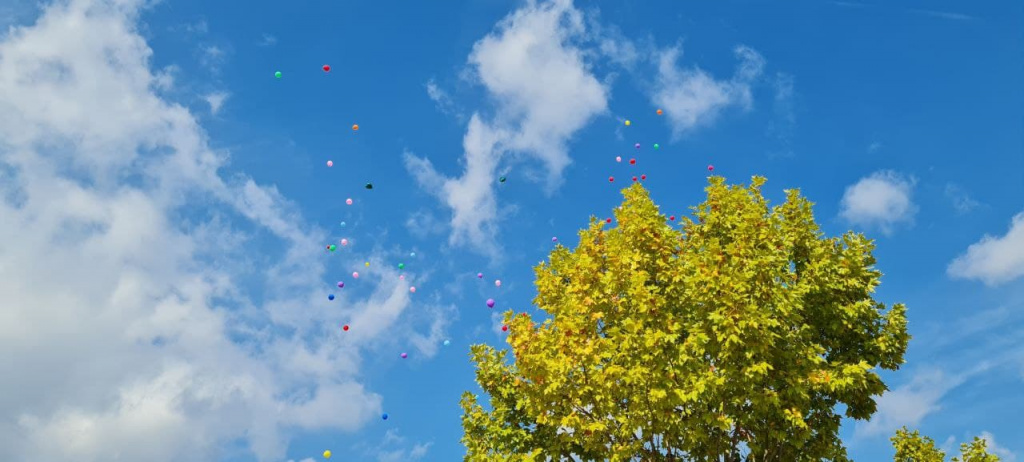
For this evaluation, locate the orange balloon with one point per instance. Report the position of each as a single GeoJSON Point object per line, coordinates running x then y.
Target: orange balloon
{"type": "Point", "coordinates": [355, 127]}
{"type": "Point", "coordinates": [659, 111]}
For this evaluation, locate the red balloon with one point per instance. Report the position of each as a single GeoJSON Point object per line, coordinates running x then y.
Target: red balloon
{"type": "Point", "coordinates": [673, 218]}
{"type": "Point", "coordinates": [632, 161]}
{"type": "Point", "coordinates": [643, 177]}
{"type": "Point", "coordinates": [504, 328]}
{"type": "Point", "coordinates": [611, 178]}
{"type": "Point", "coordinates": [634, 178]}
{"type": "Point", "coordinates": [609, 220]}
{"type": "Point", "coordinates": [327, 68]}
{"type": "Point", "coordinates": [711, 168]}
{"type": "Point", "coordinates": [345, 327]}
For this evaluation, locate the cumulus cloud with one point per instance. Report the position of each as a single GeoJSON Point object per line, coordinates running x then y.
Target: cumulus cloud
{"type": "Point", "coordinates": [535, 73]}
{"type": "Point", "coordinates": [693, 98]}
{"type": "Point", "coordinates": [993, 260]}
{"type": "Point", "coordinates": [124, 270]}
{"type": "Point", "coordinates": [882, 200]}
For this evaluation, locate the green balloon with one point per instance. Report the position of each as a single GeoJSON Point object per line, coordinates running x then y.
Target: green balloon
{"type": "Point", "coordinates": [502, 179]}
{"type": "Point", "coordinates": [332, 247]}
{"type": "Point", "coordinates": [656, 146]}
{"type": "Point", "coordinates": [277, 74]}
{"type": "Point", "coordinates": [369, 185]}
{"type": "Point", "coordinates": [401, 265]}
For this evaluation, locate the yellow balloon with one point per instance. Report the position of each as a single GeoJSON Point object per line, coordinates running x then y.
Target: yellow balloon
{"type": "Point", "coordinates": [367, 264]}
{"type": "Point", "coordinates": [327, 454]}
{"type": "Point", "coordinates": [628, 123]}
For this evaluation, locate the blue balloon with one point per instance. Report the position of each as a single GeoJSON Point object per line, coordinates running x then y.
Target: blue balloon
{"type": "Point", "coordinates": [343, 224]}
{"type": "Point", "coordinates": [330, 297]}
{"type": "Point", "coordinates": [447, 342]}
{"type": "Point", "coordinates": [385, 417]}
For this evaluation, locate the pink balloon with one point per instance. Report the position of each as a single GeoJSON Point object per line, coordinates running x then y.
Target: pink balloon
{"type": "Point", "coordinates": [355, 275]}
{"type": "Point", "coordinates": [330, 163]}
{"type": "Point", "coordinates": [348, 201]}
{"type": "Point", "coordinates": [480, 275]}
{"type": "Point", "coordinates": [497, 282]}
{"type": "Point", "coordinates": [401, 277]}
{"type": "Point", "coordinates": [344, 242]}
{"type": "Point", "coordinates": [618, 158]}
{"type": "Point", "coordinates": [412, 289]}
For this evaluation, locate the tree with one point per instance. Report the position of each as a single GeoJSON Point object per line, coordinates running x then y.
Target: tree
{"type": "Point", "coordinates": [912, 447]}
{"type": "Point", "coordinates": [733, 338]}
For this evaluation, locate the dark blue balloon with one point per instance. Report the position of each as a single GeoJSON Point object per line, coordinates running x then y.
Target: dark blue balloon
{"type": "Point", "coordinates": [330, 297]}
{"type": "Point", "coordinates": [385, 417]}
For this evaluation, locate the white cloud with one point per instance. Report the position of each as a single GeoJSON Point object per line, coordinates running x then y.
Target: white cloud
{"type": "Point", "coordinates": [391, 449]}
{"type": "Point", "coordinates": [216, 100]}
{"type": "Point", "coordinates": [544, 94]}
{"type": "Point", "coordinates": [961, 201]}
{"type": "Point", "coordinates": [692, 98]}
{"type": "Point", "coordinates": [267, 40]}
{"type": "Point", "coordinates": [125, 271]}
{"type": "Point", "coordinates": [909, 404]}
{"type": "Point", "coordinates": [993, 260]}
{"type": "Point", "coordinates": [1005, 455]}
{"type": "Point", "coordinates": [439, 97]}
{"type": "Point", "coordinates": [881, 200]}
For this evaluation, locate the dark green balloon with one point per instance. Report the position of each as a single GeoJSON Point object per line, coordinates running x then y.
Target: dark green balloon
{"type": "Point", "coordinates": [369, 185]}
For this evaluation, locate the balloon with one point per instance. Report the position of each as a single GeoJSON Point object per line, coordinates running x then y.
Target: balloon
{"type": "Point", "coordinates": [355, 127]}
{"type": "Point", "coordinates": [401, 277]}
{"type": "Point", "coordinates": [554, 239]}
{"type": "Point", "coordinates": [332, 247]}
{"type": "Point", "coordinates": [367, 264]}
{"type": "Point", "coordinates": [412, 254]}
{"type": "Point", "coordinates": [502, 179]}
{"type": "Point", "coordinates": [659, 112]}
{"type": "Point", "coordinates": [345, 328]}
{"type": "Point", "coordinates": [618, 159]}
{"type": "Point", "coordinates": [404, 355]}
{"type": "Point", "coordinates": [656, 146]}
{"type": "Point", "coordinates": [632, 161]}
{"type": "Point", "coordinates": [634, 178]}
{"type": "Point", "coordinates": [480, 275]}
{"type": "Point", "coordinates": [277, 74]}
{"type": "Point", "coordinates": [401, 265]}
{"type": "Point", "coordinates": [711, 168]}
{"type": "Point", "coordinates": [447, 342]}
{"type": "Point", "coordinates": [327, 454]}
{"type": "Point", "coordinates": [497, 283]}
{"type": "Point", "coordinates": [608, 220]}
{"type": "Point", "coordinates": [330, 297]}
{"type": "Point", "coordinates": [643, 177]}
{"type": "Point", "coordinates": [628, 123]}
{"type": "Point", "coordinates": [343, 224]}
{"type": "Point", "coordinates": [637, 145]}
{"type": "Point", "coordinates": [672, 218]}
{"type": "Point", "coordinates": [344, 242]}
{"type": "Point", "coordinates": [355, 275]}
{"type": "Point", "coordinates": [504, 328]}
{"type": "Point", "coordinates": [490, 303]}
{"type": "Point", "coordinates": [341, 284]}
{"type": "Point", "coordinates": [369, 185]}
{"type": "Point", "coordinates": [348, 201]}
{"type": "Point", "coordinates": [611, 179]}
{"type": "Point", "coordinates": [330, 163]}
{"type": "Point", "coordinates": [412, 289]}
{"type": "Point", "coordinates": [384, 416]}
{"type": "Point", "coordinates": [327, 68]}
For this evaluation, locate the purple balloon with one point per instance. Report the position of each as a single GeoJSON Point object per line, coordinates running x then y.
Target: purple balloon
{"type": "Point", "coordinates": [554, 239]}
{"type": "Point", "coordinates": [638, 145]}
{"type": "Point", "coordinates": [341, 284]}
{"type": "Point", "coordinates": [490, 303]}
{"type": "Point", "coordinates": [480, 275]}
{"type": "Point", "coordinates": [404, 356]}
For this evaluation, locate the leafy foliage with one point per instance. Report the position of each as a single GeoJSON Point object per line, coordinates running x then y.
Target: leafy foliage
{"type": "Point", "coordinates": [912, 447]}
{"type": "Point", "coordinates": [735, 337]}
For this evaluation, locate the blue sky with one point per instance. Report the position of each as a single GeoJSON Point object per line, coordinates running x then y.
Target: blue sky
{"type": "Point", "coordinates": [166, 201]}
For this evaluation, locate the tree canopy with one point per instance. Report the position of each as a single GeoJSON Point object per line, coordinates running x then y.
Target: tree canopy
{"type": "Point", "coordinates": [741, 334]}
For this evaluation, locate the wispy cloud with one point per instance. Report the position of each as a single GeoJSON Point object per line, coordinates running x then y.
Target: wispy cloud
{"type": "Point", "coordinates": [944, 15]}
{"type": "Point", "coordinates": [993, 260]}
{"type": "Point", "coordinates": [216, 100]}
{"type": "Point", "coordinates": [961, 201]}
{"type": "Point", "coordinates": [882, 200]}
{"type": "Point", "coordinates": [267, 40]}
{"type": "Point", "coordinates": [783, 125]}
